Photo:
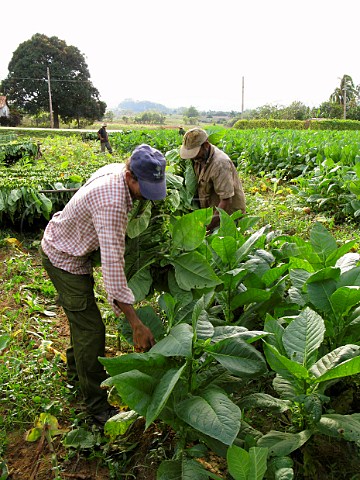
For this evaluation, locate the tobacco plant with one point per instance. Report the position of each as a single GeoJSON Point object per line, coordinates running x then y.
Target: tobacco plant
{"type": "Point", "coordinates": [182, 381]}
{"type": "Point", "coordinates": [301, 381]}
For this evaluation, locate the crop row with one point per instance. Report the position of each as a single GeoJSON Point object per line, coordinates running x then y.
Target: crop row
{"type": "Point", "coordinates": [322, 167]}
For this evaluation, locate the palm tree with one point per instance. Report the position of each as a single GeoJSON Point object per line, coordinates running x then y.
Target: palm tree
{"type": "Point", "coordinates": [345, 93]}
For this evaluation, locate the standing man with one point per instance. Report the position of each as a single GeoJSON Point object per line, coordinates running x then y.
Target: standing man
{"type": "Point", "coordinates": [96, 217]}
{"type": "Point", "coordinates": [219, 184]}
{"type": "Point", "coordinates": [104, 138]}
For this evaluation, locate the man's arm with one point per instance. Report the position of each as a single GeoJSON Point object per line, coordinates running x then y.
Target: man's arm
{"type": "Point", "coordinates": [110, 224]}
{"type": "Point", "coordinates": [142, 336]}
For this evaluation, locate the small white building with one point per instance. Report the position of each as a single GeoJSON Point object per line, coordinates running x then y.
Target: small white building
{"type": "Point", "coordinates": [4, 107]}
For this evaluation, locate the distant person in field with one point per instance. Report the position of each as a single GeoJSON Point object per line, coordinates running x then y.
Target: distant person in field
{"type": "Point", "coordinates": [219, 184]}
{"type": "Point", "coordinates": [96, 218]}
{"type": "Point", "coordinates": [181, 131]}
{"type": "Point", "coordinates": [104, 139]}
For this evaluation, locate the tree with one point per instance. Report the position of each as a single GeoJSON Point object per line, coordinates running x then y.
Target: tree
{"type": "Point", "coordinates": [267, 111]}
{"type": "Point", "coordinates": [72, 93]}
{"type": "Point", "coordinates": [296, 111]}
{"type": "Point", "coordinates": [191, 112]}
{"type": "Point", "coordinates": [345, 94]}
{"type": "Point", "coordinates": [329, 110]}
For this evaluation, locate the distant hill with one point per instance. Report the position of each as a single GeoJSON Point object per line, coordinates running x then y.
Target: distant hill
{"type": "Point", "coordinates": [138, 106]}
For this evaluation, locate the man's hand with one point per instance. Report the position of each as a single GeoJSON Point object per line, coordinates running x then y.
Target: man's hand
{"type": "Point", "coordinates": [142, 335]}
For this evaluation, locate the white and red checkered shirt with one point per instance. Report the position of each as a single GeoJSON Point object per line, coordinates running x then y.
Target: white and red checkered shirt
{"type": "Point", "coordinates": [96, 216]}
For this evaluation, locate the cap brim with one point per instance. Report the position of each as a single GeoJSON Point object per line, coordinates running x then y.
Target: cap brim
{"type": "Point", "coordinates": [152, 190]}
{"type": "Point", "coordinates": [187, 154]}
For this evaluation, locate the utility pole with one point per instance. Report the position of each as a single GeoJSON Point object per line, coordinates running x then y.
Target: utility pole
{"type": "Point", "coordinates": [50, 101]}
{"type": "Point", "coordinates": [345, 102]}
{"type": "Point", "coordinates": [242, 98]}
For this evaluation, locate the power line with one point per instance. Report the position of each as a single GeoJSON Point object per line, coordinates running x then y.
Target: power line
{"type": "Point", "coordinates": [45, 79]}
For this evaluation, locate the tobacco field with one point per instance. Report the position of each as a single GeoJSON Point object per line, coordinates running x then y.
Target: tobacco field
{"type": "Point", "coordinates": [255, 370]}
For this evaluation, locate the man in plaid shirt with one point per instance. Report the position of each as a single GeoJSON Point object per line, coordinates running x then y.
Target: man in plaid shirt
{"type": "Point", "coordinates": [96, 217]}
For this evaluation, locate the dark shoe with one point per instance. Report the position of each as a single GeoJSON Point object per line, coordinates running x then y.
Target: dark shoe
{"type": "Point", "coordinates": [103, 417]}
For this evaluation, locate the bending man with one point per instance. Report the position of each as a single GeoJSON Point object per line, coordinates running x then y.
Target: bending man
{"type": "Point", "coordinates": [96, 217]}
{"type": "Point", "coordinates": [219, 184]}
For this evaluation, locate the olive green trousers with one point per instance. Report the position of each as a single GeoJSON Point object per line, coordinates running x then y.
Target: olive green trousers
{"type": "Point", "coordinates": [87, 332]}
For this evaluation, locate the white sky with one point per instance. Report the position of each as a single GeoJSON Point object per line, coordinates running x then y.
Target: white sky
{"type": "Point", "coordinates": [195, 52]}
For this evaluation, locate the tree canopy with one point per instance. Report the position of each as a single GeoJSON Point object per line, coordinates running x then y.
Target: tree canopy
{"type": "Point", "coordinates": [72, 92]}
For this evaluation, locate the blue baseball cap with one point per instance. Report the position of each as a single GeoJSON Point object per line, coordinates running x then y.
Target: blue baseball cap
{"type": "Point", "coordinates": [148, 164]}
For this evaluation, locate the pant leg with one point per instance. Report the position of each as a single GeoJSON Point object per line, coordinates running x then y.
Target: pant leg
{"type": "Point", "coordinates": [70, 361]}
{"type": "Point", "coordinates": [76, 296]}
{"type": "Point", "coordinates": [102, 145]}
{"type": "Point", "coordinates": [108, 146]}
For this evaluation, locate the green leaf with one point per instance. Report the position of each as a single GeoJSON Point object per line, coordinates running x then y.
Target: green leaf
{"type": "Point", "coordinates": [46, 205]}
{"type": "Point", "coordinates": [281, 468]}
{"type": "Point", "coordinates": [322, 241]}
{"type": "Point", "coordinates": [285, 386]}
{"type": "Point", "coordinates": [193, 271]}
{"type": "Point", "coordinates": [120, 423]}
{"type": "Point", "coordinates": [189, 230]}
{"type": "Point", "coordinates": [227, 225]}
{"type": "Point", "coordinates": [340, 256]}
{"type": "Point", "coordinates": [181, 296]}
{"type": "Point", "coordinates": [168, 303]}
{"type": "Point", "coordinates": [272, 275]}
{"type": "Point", "coordinates": [45, 419]}
{"type": "Point", "coordinates": [190, 181]}
{"type": "Point", "coordinates": [251, 295]}
{"type": "Point", "coordinates": [181, 470]}
{"type": "Point", "coordinates": [76, 178]}
{"type": "Point", "coordinates": [334, 358]}
{"type": "Point", "coordinates": [178, 343]}
{"type": "Point", "coordinates": [281, 443]}
{"type": "Point", "coordinates": [258, 462]}
{"type": "Point", "coordinates": [345, 369]}
{"type": "Point", "coordinates": [350, 277]}
{"type": "Point", "coordinates": [226, 331]}
{"type": "Point", "coordinates": [319, 294]}
{"type": "Point", "coordinates": [298, 275]}
{"type": "Point", "coordinates": [14, 196]}
{"type": "Point", "coordinates": [173, 199]}
{"type": "Point", "coordinates": [303, 336]}
{"type": "Point", "coordinates": [265, 402]}
{"type": "Point", "coordinates": [279, 363]}
{"type": "Point", "coordinates": [34, 434]}
{"type": "Point", "coordinates": [344, 298]}
{"type": "Point", "coordinates": [225, 247]}
{"type": "Point", "coordinates": [145, 362]}
{"type": "Point", "coordinates": [161, 394]}
{"type": "Point", "coordinates": [238, 357]}
{"type": "Point", "coordinates": [340, 426]}
{"type": "Point", "coordinates": [213, 414]}
{"type": "Point", "coordinates": [136, 389]}
{"type": "Point", "coordinates": [238, 461]}
{"type": "Point", "coordinates": [249, 244]}
{"type": "Point", "coordinates": [329, 273]}
{"type": "Point", "coordinates": [231, 278]}
{"type": "Point", "coordinates": [204, 328]}
{"type": "Point", "coordinates": [4, 472]}
{"type": "Point", "coordinates": [140, 283]}
{"type": "Point", "coordinates": [139, 224]}
{"type": "Point", "coordinates": [273, 326]}
{"type": "Point", "coordinates": [4, 340]}
{"type": "Point", "coordinates": [80, 438]}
